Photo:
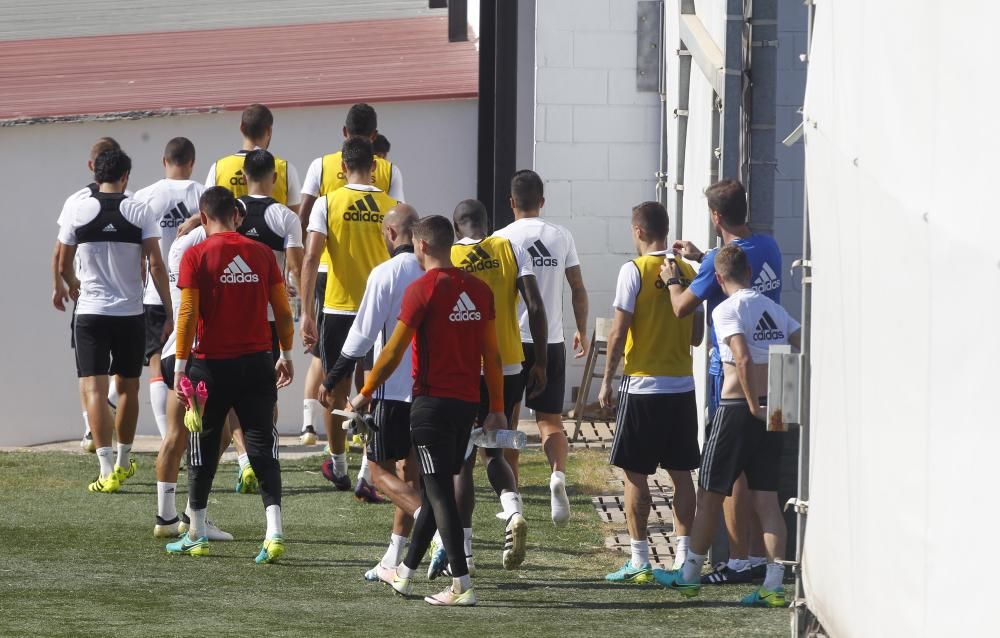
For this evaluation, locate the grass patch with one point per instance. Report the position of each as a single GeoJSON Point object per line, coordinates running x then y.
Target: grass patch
{"type": "Point", "coordinates": [80, 564]}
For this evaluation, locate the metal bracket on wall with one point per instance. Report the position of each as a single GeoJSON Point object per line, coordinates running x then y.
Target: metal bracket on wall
{"type": "Point", "coordinates": [649, 46]}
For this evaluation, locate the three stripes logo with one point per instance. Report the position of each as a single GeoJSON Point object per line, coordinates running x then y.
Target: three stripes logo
{"type": "Point", "coordinates": [767, 330]}
{"type": "Point", "coordinates": [110, 228]}
{"type": "Point", "coordinates": [364, 210]}
{"type": "Point", "coordinates": [464, 309]}
{"type": "Point", "coordinates": [540, 255]}
{"type": "Point", "coordinates": [253, 233]}
{"type": "Point", "coordinates": [238, 272]}
{"type": "Point", "coordinates": [767, 280]}
{"type": "Point", "coordinates": [175, 216]}
{"type": "Point", "coordinates": [479, 260]}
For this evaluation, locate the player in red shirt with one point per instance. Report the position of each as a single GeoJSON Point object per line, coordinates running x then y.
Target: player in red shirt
{"type": "Point", "coordinates": [226, 284]}
{"type": "Point", "coordinates": [448, 315]}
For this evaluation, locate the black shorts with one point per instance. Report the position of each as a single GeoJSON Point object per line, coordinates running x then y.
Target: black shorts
{"type": "Point", "coordinates": [155, 317]}
{"type": "Point", "coordinates": [550, 401]}
{"type": "Point", "coordinates": [656, 430]}
{"type": "Point", "coordinates": [440, 429]}
{"type": "Point", "coordinates": [244, 384]}
{"type": "Point", "coordinates": [109, 345]}
{"type": "Point", "coordinates": [392, 440]}
{"type": "Point", "coordinates": [332, 336]}
{"type": "Point", "coordinates": [513, 388]}
{"type": "Point", "coordinates": [275, 345]}
{"type": "Point", "coordinates": [739, 442]}
{"type": "Point", "coordinates": [318, 298]}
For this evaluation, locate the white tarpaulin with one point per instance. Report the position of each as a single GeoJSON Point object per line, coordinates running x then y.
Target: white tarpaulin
{"type": "Point", "coordinates": [902, 140]}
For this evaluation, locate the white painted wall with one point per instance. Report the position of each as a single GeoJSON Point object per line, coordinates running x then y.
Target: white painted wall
{"type": "Point", "coordinates": [433, 143]}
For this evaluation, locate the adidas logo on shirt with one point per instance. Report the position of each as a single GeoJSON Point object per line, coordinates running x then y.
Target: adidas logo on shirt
{"type": "Point", "coordinates": [175, 217]}
{"type": "Point", "coordinates": [364, 210]}
{"type": "Point", "coordinates": [767, 330]}
{"type": "Point", "coordinates": [540, 255]}
{"type": "Point", "coordinates": [253, 233]}
{"type": "Point", "coordinates": [110, 228]}
{"type": "Point", "coordinates": [464, 309]}
{"type": "Point", "coordinates": [767, 280]}
{"type": "Point", "coordinates": [479, 260]}
{"type": "Point", "coordinates": [239, 179]}
{"type": "Point", "coordinates": [238, 272]}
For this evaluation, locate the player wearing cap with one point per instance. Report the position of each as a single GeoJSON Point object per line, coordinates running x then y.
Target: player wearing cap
{"type": "Point", "coordinates": [657, 423]}
{"type": "Point", "coordinates": [226, 284]}
{"type": "Point", "coordinates": [324, 176]}
{"type": "Point", "coordinates": [454, 311]}
{"type": "Point", "coordinates": [553, 258]}
{"type": "Point", "coordinates": [347, 225]}
{"type": "Point", "coordinates": [112, 234]}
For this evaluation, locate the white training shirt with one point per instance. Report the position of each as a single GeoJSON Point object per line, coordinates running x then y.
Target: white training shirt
{"type": "Point", "coordinates": [761, 321]}
{"type": "Point", "coordinates": [110, 273]}
{"type": "Point", "coordinates": [551, 250]}
{"type": "Point", "coordinates": [172, 201]}
{"type": "Point", "coordinates": [626, 292]}
{"type": "Point", "coordinates": [284, 223]}
{"type": "Point", "coordinates": [294, 183]}
{"type": "Point", "coordinates": [377, 317]}
{"type": "Point", "coordinates": [177, 250]}
{"type": "Point", "coordinates": [314, 177]}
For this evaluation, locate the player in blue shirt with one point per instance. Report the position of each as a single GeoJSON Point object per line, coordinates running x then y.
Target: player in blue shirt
{"type": "Point", "coordinates": [727, 205]}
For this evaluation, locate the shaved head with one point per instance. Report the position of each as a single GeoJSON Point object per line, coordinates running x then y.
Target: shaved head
{"type": "Point", "coordinates": [401, 217]}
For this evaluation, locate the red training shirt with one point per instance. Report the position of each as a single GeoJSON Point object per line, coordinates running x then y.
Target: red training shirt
{"type": "Point", "coordinates": [448, 308]}
{"type": "Point", "coordinates": [234, 276]}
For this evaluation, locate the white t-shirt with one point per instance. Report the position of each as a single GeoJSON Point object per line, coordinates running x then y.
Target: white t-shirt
{"type": "Point", "coordinates": [626, 292]}
{"type": "Point", "coordinates": [70, 204]}
{"type": "Point", "coordinates": [314, 176]}
{"type": "Point", "coordinates": [294, 183]}
{"type": "Point", "coordinates": [551, 250]}
{"type": "Point", "coordinates": [172, 201]}
{"type": "Point", "coordinates": [177, 251]}
{"type": "Point", "coordinates": [761, 321]}
{"type": "Point", "coordinates": [376, 320]}
{"type": "Point", "coordinates": [110, 272]}
{"type": "Point", "coordinates": [284, 223]}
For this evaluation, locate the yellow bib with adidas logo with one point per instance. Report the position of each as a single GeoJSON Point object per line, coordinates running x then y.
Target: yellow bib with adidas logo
{"type": "Point", "coordinates": [658, 343]}
{"type": "Point", "coordinates": [492, 260]}
{"type": "Point", "coordinates": [332, 177]}
{"type": "Point", "coordinates": [354, 242]}
{"type": "Point", "coordinates": [229, 173]}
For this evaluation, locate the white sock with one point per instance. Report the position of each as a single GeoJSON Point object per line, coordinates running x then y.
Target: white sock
{"type": "Point", "coordinates": [339, 464]}
{"type": "Point", "coordinates": [775, 574]}
{"type": "Point", "coordinates": [364, 474]}
{"type": "Point", "coordinates": [437, 538]}
{"type": "Point", "coordinates": [86, 423]}
{"type": "Point", "coordinates": [123, 452]}
{"type": "Point", "coordinates": [738, 564]}
{"type": "Point", "coordinates": [198, 527]}
{"type": "Point", "coordinates": [158, 399]}
{"type": "Point", "coordinates": [113, 394]}
{"type": "Point", "coordinates": [757, 561]}
{"type": "Point", "coordinates": [243, 460]}
{"type": "Point", "coordinates": [310, 407]}
{"type": "Point", "coordinates": [273, 514]}
{"type": "Point", "coordinates": [511, 503]}
{"type": "Point", "coordinates": [459, 585]}
{"type": "Point", "coordinates": [104, 455]}
{"type": "Point", "coordinates": [681, 545]}
{"type": "Point", "coordinates": [558, 476]}
{"type": "Point", "coordinates": [691, 572]}
{"type": "Point", "coordinates": [394, 555]}
{"type": "Point", "coordinates": [468, 540]}
{"type": "Point", "coordinates": [166, 500]}
{"type": "Point", "coordinates": [403, 571]}
{"type": "Point", "coordinates": [640, 552]}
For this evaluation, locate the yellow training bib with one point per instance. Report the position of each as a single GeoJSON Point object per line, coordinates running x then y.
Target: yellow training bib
{"type": "Point", "coordinates": [332, 177]}
{"type": "Point", "coordinates": [658, 343]}
{"type": "Point", "coordinates": [229, 173]}
{"type": "Point", "coordinates": [354, 242]}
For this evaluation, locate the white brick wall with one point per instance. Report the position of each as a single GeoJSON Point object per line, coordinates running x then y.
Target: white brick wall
{"type": "Point", "coordinates": [596, 137]}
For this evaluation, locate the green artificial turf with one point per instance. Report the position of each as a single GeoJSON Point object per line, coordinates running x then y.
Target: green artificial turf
{"type": "Point", "coordinates": [79, 564]}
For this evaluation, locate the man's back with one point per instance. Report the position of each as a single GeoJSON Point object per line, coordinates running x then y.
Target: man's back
{"type": "Point", "coordinates": [172, 202]}
{"type": "Point", "coordinates": [762, 322]}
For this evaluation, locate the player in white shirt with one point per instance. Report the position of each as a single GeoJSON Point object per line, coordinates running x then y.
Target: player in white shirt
{"type": "Point", "coordinates": [553, 258]}
{"type": "Point", "coordinates": [746, 325]}
{"type": "Point", "coordinates": [172, 200]}
{"type": "Point", "coordinates": [389, 451]}
{"type": "Point", "coordinates": [112, 234]}
{"type": "Point", "coordinates": [60, 296]}
{"type": "Point", "coordinates": [322, 177]}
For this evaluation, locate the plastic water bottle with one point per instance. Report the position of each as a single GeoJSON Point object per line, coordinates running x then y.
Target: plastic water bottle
{"type": "Point", "coordinates": [512, 439]}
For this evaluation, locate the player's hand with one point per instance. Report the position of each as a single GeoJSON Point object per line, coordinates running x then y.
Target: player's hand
{"type": "Point", "coordinates": [59, 297]}
{"type": "Point", "coordinates": [73, 289]}
{"type": "Point", "coordinates": [324, 396]}
{"type": "Point", "coordinates": [168, 327]}
{"type": "Point", "coordinates": [580, 345]}
{"type": "Point", "coordinates": [537, 380]}
{"type": "Point", "coordinates": [358, 403]}
{"type": "Point", "coordinates": [285, 371]}
{"type": "Point", "coordinates": [183, 400]}
{"type": "Point", "coordinates": [308, 329]}
{"type": "Point", "coordinates": [687, 250]}
{"type": "Point", "coordinates": [495, 421]}
{"type": "Point", "coordinates": [189, 224]}
{"type": "Point", "coordinates": [606, 397]}
{"type": "Point", "coordinates": [669, 270]}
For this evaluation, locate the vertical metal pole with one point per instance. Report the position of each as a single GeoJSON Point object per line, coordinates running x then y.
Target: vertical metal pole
{"type": "Point", "coordinates": [680, 148]}
{"type": "Point", "coordinates": [662, 170]}
{"type": "Point", "coordinates": [504, 113]}
{"type": "Point", "coordinates": [732, 96]}
{"type": "Point", "coordinates": [763, 65]}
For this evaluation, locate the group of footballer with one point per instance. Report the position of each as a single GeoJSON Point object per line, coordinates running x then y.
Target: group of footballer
{"type": "Point", "coordinates": [440, 325]}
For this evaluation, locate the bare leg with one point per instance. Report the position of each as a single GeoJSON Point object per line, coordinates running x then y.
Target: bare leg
{"type": "Point", "coordinates": [127, 416]}
{"type": "Point", "coordinates": [684, 501]}
{"type": "Point", "coordinates": [705, 519]}
{"type": "Point", "coordinates": [737, 510]}
{"type": "Point", "coordinates": [554, 441]}
{"type": "Point", "coordinates": [514, 456]}
{"type": "Point", "coordinates": [773, 524]}
{"type": "Point", "coordinates": [398, 481]}
{"type": "Point", "coordinates": [94, 397]}
{"type": "Point", "coordinates": [335, 434]}
{"type": "Point", "coordinates": [174, 445]}
{"type": "Point", "coordinates": [756, 536]}
{"type": "Point", "coordinates": [637, 504]}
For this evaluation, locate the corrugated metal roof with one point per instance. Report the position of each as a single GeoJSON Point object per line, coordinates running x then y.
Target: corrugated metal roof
{"type": "Point", "coordinates": [23, 20]}
{"type": "Point", "coordinates": [304, 65]}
